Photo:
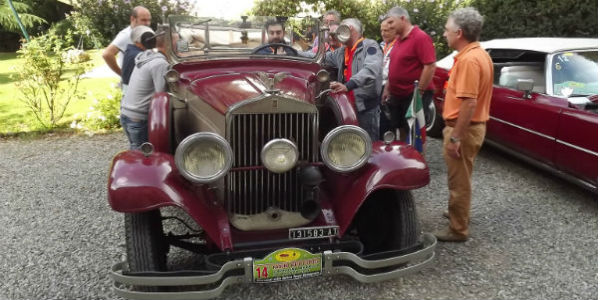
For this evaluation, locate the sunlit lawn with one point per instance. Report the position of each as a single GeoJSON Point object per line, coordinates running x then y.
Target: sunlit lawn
{"type": "Point", "coordinates": [15, 116]}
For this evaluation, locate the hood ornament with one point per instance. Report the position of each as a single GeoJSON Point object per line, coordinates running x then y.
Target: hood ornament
{"type": "Point", "coordinates": [270, 82]}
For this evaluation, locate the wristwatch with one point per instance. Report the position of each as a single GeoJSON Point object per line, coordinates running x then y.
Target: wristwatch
{"type": "Point", "coordinates": [454, 140]}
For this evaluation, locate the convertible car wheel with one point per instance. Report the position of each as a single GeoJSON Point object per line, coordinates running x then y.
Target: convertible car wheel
{"type": "Point", "coordinates": [146, 248]}
{"type": "Point", "coordinates": [435, 122]}
{"type": "Point", "coordinates": [388, 221]}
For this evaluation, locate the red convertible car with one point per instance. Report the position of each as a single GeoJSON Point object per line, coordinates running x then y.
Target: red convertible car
{"type": "Point", "coordinates": [544, 106]}
{"type": "Point", "coordinates": [272, 174]}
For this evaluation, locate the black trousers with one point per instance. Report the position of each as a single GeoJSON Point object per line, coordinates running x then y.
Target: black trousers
{"type": "Point", "coordinates": [396, 108]}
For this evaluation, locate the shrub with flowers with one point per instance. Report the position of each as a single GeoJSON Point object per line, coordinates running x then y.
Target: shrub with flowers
{"type": "Point", "coordinates": [103, 114]}
{"type": "Point", "coordinates": [47, 81]}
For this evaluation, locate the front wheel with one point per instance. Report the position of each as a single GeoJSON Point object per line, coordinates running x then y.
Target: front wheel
{"type": "Point", "coordinates": [387, 221]}
{"type": "Point", "coordinates": [145, 242]}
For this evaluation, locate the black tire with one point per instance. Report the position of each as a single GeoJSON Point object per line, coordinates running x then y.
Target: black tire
{"type": "Point", "coordinates": [145, 242]}
{"type": "Point", "coordinates": [388, 221]}
{"type": "Point", "coordinates": [435, 122]}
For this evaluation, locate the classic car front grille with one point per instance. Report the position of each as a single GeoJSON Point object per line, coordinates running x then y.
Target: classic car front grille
{"type": "Point", "coordinates": [253, 189]}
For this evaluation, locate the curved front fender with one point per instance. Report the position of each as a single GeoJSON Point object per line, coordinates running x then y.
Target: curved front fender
{"type": "Point", "coordinates": [159, 121]}
{"type": "Point", "coordinates": [343, 109]}
{"type": "Point", "coordinates": [137, 183]}
{"type": "Point", "coordinates": [396, 166]}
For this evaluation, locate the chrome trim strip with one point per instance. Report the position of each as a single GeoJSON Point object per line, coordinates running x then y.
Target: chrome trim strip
{"type": "Point", "coordinates": [568, 177]}
{"type": "Point", "coordinates": [418, 259]}
{"type": "Point", "coordinates": [546, 136]}
{"type": "Point", "coordinates": [516, 98]}
{"type": "Point", "coordinates": [577, 147]}
{"type": "Point", "coordinates": [523, 128]}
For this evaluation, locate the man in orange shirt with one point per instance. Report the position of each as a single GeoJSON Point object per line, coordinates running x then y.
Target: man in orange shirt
{"type": "Point", "coordinates": [466, 110]}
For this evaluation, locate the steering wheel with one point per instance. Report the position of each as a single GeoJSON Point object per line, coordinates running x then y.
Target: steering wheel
{"type": "Point", "coordinates": [288, 49]}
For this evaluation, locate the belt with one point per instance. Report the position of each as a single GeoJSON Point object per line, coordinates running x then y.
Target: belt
{"type": "Point", "coordinates": [452, 123]}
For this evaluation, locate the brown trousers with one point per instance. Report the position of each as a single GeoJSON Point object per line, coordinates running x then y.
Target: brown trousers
{"type": "Point", "coordinates": [459, 176]}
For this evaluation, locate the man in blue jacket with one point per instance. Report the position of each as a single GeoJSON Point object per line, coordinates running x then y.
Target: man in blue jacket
{"type": "Point", "coordinates": [359, 73]}
{"type": "Point", "coordinates": [143, 39]}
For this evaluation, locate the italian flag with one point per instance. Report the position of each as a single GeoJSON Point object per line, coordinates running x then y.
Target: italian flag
{"type": "Point", "coordinates": [416, 121]}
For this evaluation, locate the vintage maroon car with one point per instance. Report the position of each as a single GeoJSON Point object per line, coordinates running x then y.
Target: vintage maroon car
{"type": "Point", "coordinates": [273, 168]}
{"type": "Point", "coordinates": [544, 106]}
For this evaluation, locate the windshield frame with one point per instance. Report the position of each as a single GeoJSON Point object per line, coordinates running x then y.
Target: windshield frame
{"type": "Point", "coordinates": [549, 68]}
{"type": "Point", "coordinates": [177, 58]}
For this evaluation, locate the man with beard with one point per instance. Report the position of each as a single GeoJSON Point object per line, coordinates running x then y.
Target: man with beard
{"type": "Point", "coordinates": [275, 35]}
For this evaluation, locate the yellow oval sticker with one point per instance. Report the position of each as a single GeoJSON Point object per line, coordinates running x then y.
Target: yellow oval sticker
{"type": "Point", "coordinates": [287, 255]}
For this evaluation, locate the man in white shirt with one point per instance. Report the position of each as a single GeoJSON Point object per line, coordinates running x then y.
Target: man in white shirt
{"type": "Point", "coordinates": [139, 16]}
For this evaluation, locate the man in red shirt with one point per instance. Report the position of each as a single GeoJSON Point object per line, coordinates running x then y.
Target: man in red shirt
{"type": "Point", "coordinates": [412, 58]}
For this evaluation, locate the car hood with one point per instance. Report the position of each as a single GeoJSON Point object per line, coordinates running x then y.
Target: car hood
{"type": "Point", "coordinates": [222, 84]}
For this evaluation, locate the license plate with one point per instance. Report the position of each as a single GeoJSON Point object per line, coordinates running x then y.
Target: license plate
{"type": "Point", "coordinates": [306, 233]}
{"type": "Point", "coordinates": [287, 264]}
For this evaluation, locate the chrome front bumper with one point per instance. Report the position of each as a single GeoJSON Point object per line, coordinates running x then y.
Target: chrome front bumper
{"type": "Point", "coordinates": [405, 264]}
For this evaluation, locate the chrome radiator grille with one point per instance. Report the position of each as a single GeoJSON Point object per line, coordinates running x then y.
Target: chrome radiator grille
{"type": "Point", "coordinates": [254, 190]}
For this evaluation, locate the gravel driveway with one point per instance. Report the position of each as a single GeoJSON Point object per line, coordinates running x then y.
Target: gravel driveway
{"type": "Point", "coordinates": [533, 235]}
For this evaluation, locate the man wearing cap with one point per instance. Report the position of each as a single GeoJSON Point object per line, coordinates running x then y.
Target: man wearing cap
{"type": "Point", "coordinates": [143, 39]}
{"type": "Point", "coordinates": [139, 16]}
{"type": "Point", "coordinates": [147, 78]}
{"type": "Point", "coordinates": [359, 73]}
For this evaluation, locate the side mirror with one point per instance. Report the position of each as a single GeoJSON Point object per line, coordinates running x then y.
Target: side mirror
{"type": "Point", "coordinates": [343, 33]}
{"type": "Point", "coordinates": [526, 86]}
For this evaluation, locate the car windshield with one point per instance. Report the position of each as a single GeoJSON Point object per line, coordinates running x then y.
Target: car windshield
{"type": "Point", "coordinates": [575, 73]}
{"type": "Point", "coordinates": [206, 38]}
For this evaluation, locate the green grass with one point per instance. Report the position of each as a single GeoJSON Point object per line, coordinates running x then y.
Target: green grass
{"type": "Point", "coordinates": [15, 117]}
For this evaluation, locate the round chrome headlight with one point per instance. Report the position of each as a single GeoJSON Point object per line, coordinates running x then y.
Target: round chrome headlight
{"type": "Point", "coordinates": [346, 148]}
{"type": "Point", "coordinates": [279, 155]}
{"type": "Point", "coordinates": [203, 157]}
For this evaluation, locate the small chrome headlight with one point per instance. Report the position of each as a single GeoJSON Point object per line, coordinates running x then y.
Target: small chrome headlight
{"type": "Point", "coordinates": [389, 137]}
{"type": "Point", "coordinates": [322, 76]}
{"type": "Point", "coordinates": [203, 157]}
{"type": "Point", "coordinates": [172, 76]}
{"type": "Point", "coordinates": [279, 155]}
{"type": "Point", "coordinates": [346, 148]}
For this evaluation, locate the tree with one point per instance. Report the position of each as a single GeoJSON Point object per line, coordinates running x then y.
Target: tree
{"type": "Point", "coordinates": [520, 18]}
{"type": "Point", "coordinates": [108, 17]}
{"type": "Point", "coordinates": [8, 21]}
{"type": "Point", "coordinates": [430, 15]}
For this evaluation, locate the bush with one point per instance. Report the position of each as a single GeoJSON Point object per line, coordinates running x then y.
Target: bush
{"type": "Point", "coordinates": [46, 81]}
{"type": "Point", "coordinates": [103, 114]}
{"type": "Point", "coordinates": [81, 28]}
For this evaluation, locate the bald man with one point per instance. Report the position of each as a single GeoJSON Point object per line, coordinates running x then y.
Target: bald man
{"type": "Point", "coordinates": [139, 16]}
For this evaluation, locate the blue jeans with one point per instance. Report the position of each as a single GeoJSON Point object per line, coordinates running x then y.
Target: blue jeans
{"type": "Point", "coordinates": [369, 121]}
{"type": "Point", "coordinates": [136, 131]}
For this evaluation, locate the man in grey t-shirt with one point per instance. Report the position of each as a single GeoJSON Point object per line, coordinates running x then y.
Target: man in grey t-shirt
{"type": "Point", "coordinates": [139, 16]}
{"type": "Point", "coordinates": [147, 78]}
